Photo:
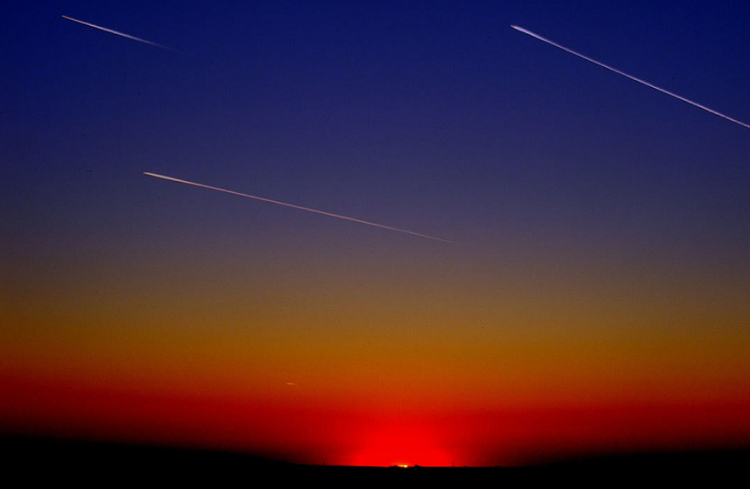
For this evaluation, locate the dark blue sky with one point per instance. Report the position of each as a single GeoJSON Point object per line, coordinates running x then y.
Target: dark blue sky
{"type": "Point", "coordinates": [431, 116]}
{"type": "Point", "coordinates": [435, 116]}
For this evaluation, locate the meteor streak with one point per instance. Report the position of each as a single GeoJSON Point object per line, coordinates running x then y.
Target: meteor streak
{"type": "Point", "coordinates": [521, 29]}
{"type": "Point", "coordinates": [263, 199]}
{"type": "Point", "coordinates": [117, 33]}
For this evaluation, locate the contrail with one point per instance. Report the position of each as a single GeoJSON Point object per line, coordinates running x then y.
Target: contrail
{"type": "Point", "coordinates": [525, 31]}
{"type": "Point", "coordinates": [329, 214]}
{"type": "Point", "coordinates": [117, 33]}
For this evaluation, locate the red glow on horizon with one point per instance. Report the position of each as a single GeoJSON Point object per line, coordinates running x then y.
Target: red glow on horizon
{"type": "Point", "coordinates": [334, 435]}
{"type": "Point", "coordinates": [400, 445]}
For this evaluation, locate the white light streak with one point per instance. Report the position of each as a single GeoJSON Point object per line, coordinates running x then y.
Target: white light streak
{"type": "Point", "coordinates": [329, 214]}
{"type": "Point", "coordinates": [642, 82]}
{"type": "Point", "coordinates": [117, 33]}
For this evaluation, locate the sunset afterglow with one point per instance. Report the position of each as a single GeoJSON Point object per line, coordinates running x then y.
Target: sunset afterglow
{"type": "Point", "coordinates": [377, 233]}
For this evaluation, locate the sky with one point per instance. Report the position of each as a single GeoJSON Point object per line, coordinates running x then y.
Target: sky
{"type": "Point", "coordinates": [594, 298]}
